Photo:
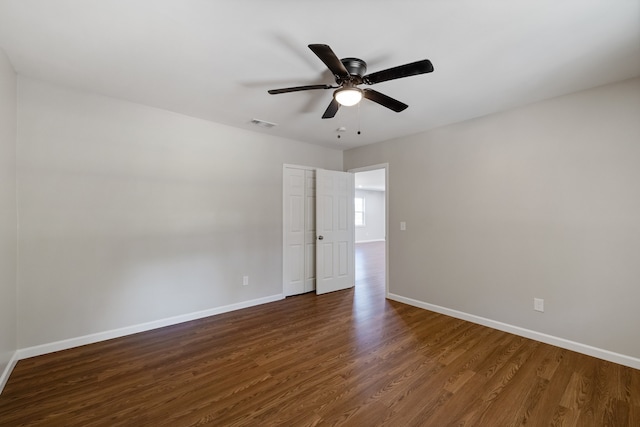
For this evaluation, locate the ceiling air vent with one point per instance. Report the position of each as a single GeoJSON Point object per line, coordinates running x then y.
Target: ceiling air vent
{"type": "Point", "coordinates": [262, 123]}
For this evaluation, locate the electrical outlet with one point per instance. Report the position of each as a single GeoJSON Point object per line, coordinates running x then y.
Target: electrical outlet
{"type": "Point", "coordinates": [245, 280]}
{"type": "Point", "coordinates": [403, 226]}
{"type": "Point", "coordinates": [538, 304]}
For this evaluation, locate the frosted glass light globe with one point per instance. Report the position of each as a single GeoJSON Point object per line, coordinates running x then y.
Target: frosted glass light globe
{"type": "Point", "coordinates": [348, 96]}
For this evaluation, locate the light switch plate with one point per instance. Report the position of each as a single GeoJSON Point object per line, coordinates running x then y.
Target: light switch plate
{"type": "Point", "coordinates": [403, 226]}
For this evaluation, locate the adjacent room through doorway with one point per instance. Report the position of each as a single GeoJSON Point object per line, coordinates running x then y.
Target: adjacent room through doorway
{"type": "Point", "coordinates": [370, 216]}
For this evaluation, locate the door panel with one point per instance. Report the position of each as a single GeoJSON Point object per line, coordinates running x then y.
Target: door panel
{"type": "Point", "coordinates": [343, 259]}
{"type": "Point", "coordinates": [294, 219]}
{"type": "Point", "coordinates": [310, 267]}
{"type": "Point", "coordinates": [299, 231]}
{"type": "Point", "coordinates": [310, 231]}
{"type": "Point", "coordinates": [335, 230]}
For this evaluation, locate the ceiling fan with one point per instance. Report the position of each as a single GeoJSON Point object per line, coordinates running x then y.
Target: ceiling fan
{"type": "Point", "coordinates": [349, 73]}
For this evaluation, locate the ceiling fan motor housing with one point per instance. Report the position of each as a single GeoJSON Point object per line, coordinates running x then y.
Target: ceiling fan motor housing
{"type": "Point", "coordinates": [355, 66]}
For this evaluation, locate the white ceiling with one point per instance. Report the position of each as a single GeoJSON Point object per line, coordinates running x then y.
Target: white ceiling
{"type": "Point", "coordinates": [216, 59]}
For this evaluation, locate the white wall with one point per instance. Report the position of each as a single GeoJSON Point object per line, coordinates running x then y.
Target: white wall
{"type": "Point", "coordinates": [374, 214]}
{"type": "Point", "coordinates": [130, 214]}
{"type": "Point", "coordinates": [8, 214]}
{"type": "Point", "coordinates": [540, 201]}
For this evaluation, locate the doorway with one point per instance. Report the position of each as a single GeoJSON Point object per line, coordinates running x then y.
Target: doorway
{"type": "Point", "coordinates": [318, 230]}
{"type": "Point", "coordinates": [371, 225]}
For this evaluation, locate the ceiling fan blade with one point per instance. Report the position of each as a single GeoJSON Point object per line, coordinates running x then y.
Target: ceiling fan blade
{"type": "Point", "coordinates": [330, 59]}
{"type": "Point", "coordinates": [384, 100]}
{"type": "Point", "coordinates": [299, 88]}
{"type": "Point", "coordinates": [331, 110]}
{"type": "Point", "coordinates": [406, 70]}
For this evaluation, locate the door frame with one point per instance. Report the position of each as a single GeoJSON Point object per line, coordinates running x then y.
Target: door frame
{"type": "Point", "coordinates": [384, 166]}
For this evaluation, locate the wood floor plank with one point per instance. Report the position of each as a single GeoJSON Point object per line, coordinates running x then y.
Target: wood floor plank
{"type": "Point", "coordinates": [348, 358]}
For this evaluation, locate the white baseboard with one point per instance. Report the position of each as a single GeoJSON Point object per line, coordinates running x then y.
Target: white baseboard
{"type": "Point", "coordinates": [7, 371]}
{"type": "Point", "coordinates": [610, 356]}
{"type": "Point", "coordinates": [38, 350]}
{"type": "Point", "coordinates": [370, 241]}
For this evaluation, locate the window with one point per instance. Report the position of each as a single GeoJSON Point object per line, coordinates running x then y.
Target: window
{"type": "Point", "coordinates": [359, 209]}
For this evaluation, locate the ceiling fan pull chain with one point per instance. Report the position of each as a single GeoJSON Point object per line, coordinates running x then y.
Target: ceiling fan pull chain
{"type": "Point", "coordinates": [358, 118]}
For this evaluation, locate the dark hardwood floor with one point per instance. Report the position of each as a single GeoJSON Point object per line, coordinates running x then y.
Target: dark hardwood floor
{"type": "Point", "coordinates": [345, 358]}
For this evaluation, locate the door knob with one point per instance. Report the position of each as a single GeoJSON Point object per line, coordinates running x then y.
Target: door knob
{"type": "Point", "coordinates": [320, 237]}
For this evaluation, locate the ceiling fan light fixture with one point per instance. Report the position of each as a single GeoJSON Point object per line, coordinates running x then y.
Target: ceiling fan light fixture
{"type": "Point", "coordinates": [349, 73]}
{"type": "Point", "coordinates": [348, 96]}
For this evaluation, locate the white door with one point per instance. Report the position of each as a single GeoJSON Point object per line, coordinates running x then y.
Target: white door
{"type": "Point", "coordinates": [310, 231]}
{"type": "Point", "coordinates": [335, 231]}
{"type": "Point", "coordinates": [299, 231]}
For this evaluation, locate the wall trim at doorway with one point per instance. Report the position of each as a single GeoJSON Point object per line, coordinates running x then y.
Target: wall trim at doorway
{"type": "Point", "coordinates": [370, 241]}
{"type": "Point", "coordinates": [600, 353]}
